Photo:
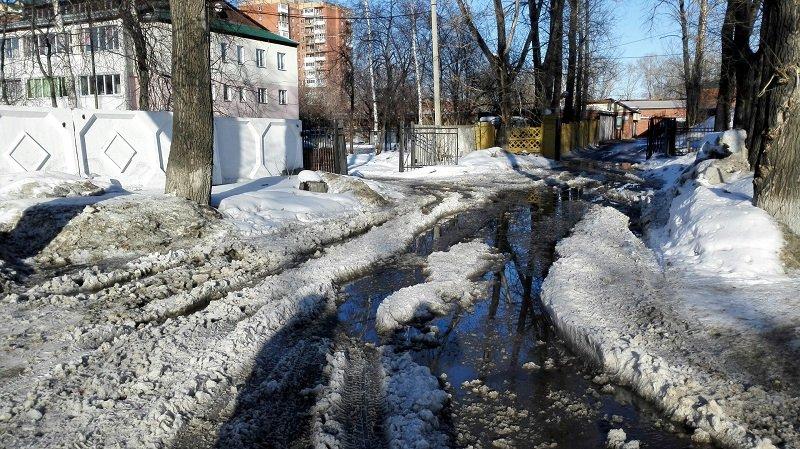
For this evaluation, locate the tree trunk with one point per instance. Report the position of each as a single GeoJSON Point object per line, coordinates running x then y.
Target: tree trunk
{"type": "Point", "coordinates": [553, 59]}
{"type": "Point", "coordinates": [584, 86]}
{"type": "Point", "coordinates": [371, 69]}
{"type": "Point", "coordinates": [777, 170]}
{"type": "Point", "coordinates": [3, 86]}
{"type": "Point", "coordinates": [747, 77]}
{"type": "Point", "coordinates": [190, 158]}
{"type": "Point", "coordinates": [417, 71]}
{"type": "Point", "coordinates": [692, 73]}
{"type": "Point", "coordinates": [727, 74]}
{"type": "Point", "coordinates": [132, 24]}
{"type": "Point", "coordinates": [62, 34]}
{"type": "Point", "coordinates": [572, 54]}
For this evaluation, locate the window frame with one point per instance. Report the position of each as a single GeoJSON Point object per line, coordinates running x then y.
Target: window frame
{"type": "Point", "coordinates": [226, 93]}
{"type": "Point", "coordinates": [261, 95]}
{"type": "Point", "coordinates": [281, 61]}
{"type": "Point", "coordinates": [282, 94]}
{"type": "Point", "coordinates": [240, 54]}
{"type": "Point", "coordinates": [261, 57]}
{"type": "Point", "coordinates": [223, 51]}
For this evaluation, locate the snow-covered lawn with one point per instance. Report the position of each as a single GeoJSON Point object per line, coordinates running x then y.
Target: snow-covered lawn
{"type": "Point", "coordinates": [492, 160]}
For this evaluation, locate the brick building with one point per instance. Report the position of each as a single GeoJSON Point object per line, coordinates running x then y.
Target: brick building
{"type": "Point", "coordinates": [322, 29]}
{"type": "Point", "coordinates": [632, 117]}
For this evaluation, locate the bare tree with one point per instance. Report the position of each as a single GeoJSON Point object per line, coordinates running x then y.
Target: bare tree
{"type": "Point", "coordinates": [777, 166]}
{"type": "Point", "coordinates": [504, 69]}
{"type": "Point", "coordinates": [190, 163]}
{"type": "Point", "coordinates": [694, 28]}
{"type": "Point", "coordinates": [131, 18]}
{"type": "Point", "coordinates": [553, 59]}
{"type": "Point", "coordinates": [572, 63]}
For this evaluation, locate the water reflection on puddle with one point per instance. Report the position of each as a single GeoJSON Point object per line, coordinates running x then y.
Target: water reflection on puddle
{"type": "Point", "coordinates": [514, 384]}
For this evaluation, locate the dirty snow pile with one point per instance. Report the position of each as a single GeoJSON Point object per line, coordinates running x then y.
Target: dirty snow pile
{"type": "Point", "coordinates": [54, 220]}
{"type": "Point", "coordinates": [451, 281]}
{"type": "Point", "coordinates": [262, 205]}
{"type": "Point", "coordinates": [608, 296]}
{"type": "Point", "coordinates": [489, 161]}
{"type": "Point", "coordinates": [414, 401]}
{"type": "Point", "coordinates": [377, 397]}
{"type": "Point", "coordinates": [19, 191]}
{"type": "Point", "coordinates": [706, 324]}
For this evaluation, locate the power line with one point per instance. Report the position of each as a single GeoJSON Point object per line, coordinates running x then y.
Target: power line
{"type": "Point", "coordinates": [295, 16]}
{"type": "Point", "coordinates": [665, 55]}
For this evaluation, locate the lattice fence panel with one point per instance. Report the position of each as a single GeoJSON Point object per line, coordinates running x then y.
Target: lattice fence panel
{"type": "Point", "coordinates": [525, 140]}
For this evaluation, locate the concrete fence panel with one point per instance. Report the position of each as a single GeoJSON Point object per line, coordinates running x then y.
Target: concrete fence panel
{"type": "Point", "coordinates": [37, 140]}
{"type": "Point", "coordinates": [250, 148]}
{"type": "Point", "coordinates": [129, 146]}
{"type": "Point", "coordinates": [133, 146]}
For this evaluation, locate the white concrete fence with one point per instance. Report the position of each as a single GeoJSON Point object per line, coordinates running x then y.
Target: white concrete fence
{"type": "Point", "coordinates": [133, 146]}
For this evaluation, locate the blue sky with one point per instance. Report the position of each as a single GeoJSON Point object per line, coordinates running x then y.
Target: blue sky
{"type": "Point", "coordinates": [632, 24]}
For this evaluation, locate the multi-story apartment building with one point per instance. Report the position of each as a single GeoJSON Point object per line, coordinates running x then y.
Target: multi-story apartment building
{"type": "Point", "coordinates": [322, 29]}
{"type": "Point", "coordinates": [89, 56]}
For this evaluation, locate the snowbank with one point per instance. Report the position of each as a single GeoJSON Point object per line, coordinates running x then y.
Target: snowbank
{"type": "Point", "coordinates": [259, 206]}
{"type": "Point", "coordinates": [619, 312]}
{"type": "Point", "coordinates": [492, 160]}
{"type": "Point", "coordinates": [718, 230]}
{"type": "Point", "coordinates": [712, 225]}
{"type": "Point", "coordinates": [451, 281]}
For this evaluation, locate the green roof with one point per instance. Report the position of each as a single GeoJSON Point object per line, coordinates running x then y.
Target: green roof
{"type": "Point", "coordinates": [242, 30]}
{"type": "Point", "coordinates": [236, 29]}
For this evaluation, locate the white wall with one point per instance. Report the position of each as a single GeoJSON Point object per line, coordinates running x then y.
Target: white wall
{"type": "Point", "coordinates": [246, 75]}
{"type": "Point", "coordinates": [133, 146]}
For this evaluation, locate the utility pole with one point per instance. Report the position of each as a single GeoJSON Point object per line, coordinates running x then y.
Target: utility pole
{"type": "Point", "coordinates": [437, 94]}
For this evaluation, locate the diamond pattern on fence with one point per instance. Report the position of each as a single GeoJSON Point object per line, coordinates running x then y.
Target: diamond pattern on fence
{"type": "Point", "coordinates": [525, 139]}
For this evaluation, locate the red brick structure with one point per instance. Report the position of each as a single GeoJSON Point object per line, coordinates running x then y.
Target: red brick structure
{"type": "Point", "coordinates": [632, 117]}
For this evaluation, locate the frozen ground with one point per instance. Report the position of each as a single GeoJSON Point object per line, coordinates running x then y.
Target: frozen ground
{"type": "Point", "coordinates": [137, 319]}
{"type": "Point", "coordinates": [134, 319]}
{"type": "Point", "coordinates": [705, 322]}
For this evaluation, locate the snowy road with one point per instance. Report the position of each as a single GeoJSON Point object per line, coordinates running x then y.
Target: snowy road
{"type": "Point", "coordinates": [358, 319]}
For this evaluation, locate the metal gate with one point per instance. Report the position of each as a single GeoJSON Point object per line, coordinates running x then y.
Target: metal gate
{"type": "Point", "coordinates": [324, 149]}
{"type": "Point", "coordinates": [661, 136]}
{"type": "Point", "coordinates": [425, 146]}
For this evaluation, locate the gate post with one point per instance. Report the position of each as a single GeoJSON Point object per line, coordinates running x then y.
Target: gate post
{"type": "Point", "coordinates": [402, 146]}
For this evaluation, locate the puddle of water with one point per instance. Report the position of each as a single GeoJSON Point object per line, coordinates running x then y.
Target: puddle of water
{"type": "Point", "coordinates": [498, 401]}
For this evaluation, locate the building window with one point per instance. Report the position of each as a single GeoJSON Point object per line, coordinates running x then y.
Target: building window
{"type": "Point", "coordinates": [40, 87]}
{"type": "Point", "coordinates": [101, 38]}
{"type": "Point", "coordinates": [240, 54]}
{"type": "Point", "coordinates": [241, 95]}
{"type": "Point", "coordinates": [223, 51]}
{"type": "Point", "coordinates": [262, 95]}
{"type": "Point", "coordinates": [281, 61]}
{"type": "Point", "coordinates": [11, 47]}
{"type": "Point", "coordinates": [101, 84]}
{"type": "Point", "coordinates": [227, 95]}
{"type": "Point", "coordinates": [260, 57]}
{"type": "Point", "coordinates": [12, 89]}
{"type": "Point", "coordinates": [281, 96]}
